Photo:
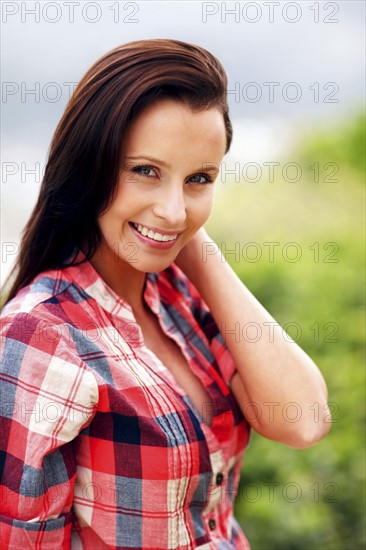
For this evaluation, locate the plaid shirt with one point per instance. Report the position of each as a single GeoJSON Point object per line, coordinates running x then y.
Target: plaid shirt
{"type": "Point", "coordinates": [100, 447]}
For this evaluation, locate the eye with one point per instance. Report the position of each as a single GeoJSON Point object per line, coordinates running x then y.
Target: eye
{"type": "Point", "coordinates": [149, 172]}
{"type": "Point", "coordinates": [197, 179]}
{"type": "Point", "coordinates": [144, 170]}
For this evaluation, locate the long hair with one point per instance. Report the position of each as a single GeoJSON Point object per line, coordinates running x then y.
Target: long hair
{"type": "Point", "coordinates": [84, 159]}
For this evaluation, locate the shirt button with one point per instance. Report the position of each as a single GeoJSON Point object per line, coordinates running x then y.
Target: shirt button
{"type": "Point", "coordinates": [106, 297]}
{"type": "Point", "coordinates": [212, 524]}
{"type": "Point", "coordinates": [219, 478]}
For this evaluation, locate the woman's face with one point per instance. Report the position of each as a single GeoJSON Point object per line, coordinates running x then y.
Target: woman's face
{"type": "Point", "coordinates": [166, 190]}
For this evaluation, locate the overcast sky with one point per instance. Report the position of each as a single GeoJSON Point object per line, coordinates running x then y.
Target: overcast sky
{"type": "Point", "coordinates": [289, 64]}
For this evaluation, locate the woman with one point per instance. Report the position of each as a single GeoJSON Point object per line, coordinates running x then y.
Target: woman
{"type": "Point", "coordinates": [129, 389]}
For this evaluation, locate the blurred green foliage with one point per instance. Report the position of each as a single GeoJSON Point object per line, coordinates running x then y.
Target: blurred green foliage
{"type": "Point", "coordinates": [343, 144]}
{"type": "Point", "coordinates": [291, 499]}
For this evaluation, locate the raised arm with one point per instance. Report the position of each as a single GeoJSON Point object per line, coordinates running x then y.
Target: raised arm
{"type": "Point", "coordinates": [278, 387]}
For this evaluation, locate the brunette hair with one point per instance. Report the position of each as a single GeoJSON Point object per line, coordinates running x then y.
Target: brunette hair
{"type": "Point", "coordinates": [84, 158]}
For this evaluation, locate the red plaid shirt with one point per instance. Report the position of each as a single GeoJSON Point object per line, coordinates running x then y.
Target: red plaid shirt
{"type": "Point", "coordinates": [99, 446]}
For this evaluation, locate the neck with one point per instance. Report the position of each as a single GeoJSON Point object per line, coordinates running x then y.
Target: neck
{"type": "Point", "coordinates": [122, 277]}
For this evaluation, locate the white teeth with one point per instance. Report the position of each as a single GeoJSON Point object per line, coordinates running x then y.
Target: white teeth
{"type": "Point", "coordinates": [155, 236]}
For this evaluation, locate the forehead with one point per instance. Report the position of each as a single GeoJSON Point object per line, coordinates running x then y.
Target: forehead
{"type": "Point", "coordinates": [168, 125]}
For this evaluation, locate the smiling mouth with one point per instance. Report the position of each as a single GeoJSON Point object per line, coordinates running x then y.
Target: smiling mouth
{"type": "Point", "coordinates": [153, 235]}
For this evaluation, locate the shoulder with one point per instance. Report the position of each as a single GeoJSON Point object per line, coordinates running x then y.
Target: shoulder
{"type": "Point", "coordinates": [44, 288]}
{"type": "Point", "coordinates": [50, 300]}
{"type": "Point", "coordinates": [37, 349]}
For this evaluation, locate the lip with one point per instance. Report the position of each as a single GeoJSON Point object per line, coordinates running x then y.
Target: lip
{"type": "Point", "coordinates": [150, 242]}
{"type": "Point", "coordinates": [157, 230]}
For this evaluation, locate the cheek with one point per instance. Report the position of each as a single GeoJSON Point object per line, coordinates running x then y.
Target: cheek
{"type": "Point", "coordinates": [118, 213]}
{"type": "Point", "coordinates": [124, 203]}
{"type": "Point", "coordinates": [201, 209]}
{"type": "Point", "coordinates": [110, 222]}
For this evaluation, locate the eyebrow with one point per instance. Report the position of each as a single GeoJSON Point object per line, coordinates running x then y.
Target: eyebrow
{"type": "Point", "coordinates": [213, 168]}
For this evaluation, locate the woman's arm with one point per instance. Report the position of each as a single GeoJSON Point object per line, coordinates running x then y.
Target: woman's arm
{"type": "Point", "coordinates": [277, 385]}
{"type": "Point", "coordinates": [47, 398]}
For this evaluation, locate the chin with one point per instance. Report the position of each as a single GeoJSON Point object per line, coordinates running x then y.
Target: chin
{"type": "Point", "coordinates": [153, 266]}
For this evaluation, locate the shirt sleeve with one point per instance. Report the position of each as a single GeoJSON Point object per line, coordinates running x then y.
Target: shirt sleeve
{"type": "Point", "coordinates": [208, 325]}
{"type": "Point", "coordinates": [47, 397]}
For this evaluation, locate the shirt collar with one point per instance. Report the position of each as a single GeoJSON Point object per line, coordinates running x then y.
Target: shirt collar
{"type": "Point", "coordinates": [86, 277]}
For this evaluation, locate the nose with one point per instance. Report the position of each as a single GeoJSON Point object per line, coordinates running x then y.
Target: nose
{"type": "Point", "coordinates": [170, 206]}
